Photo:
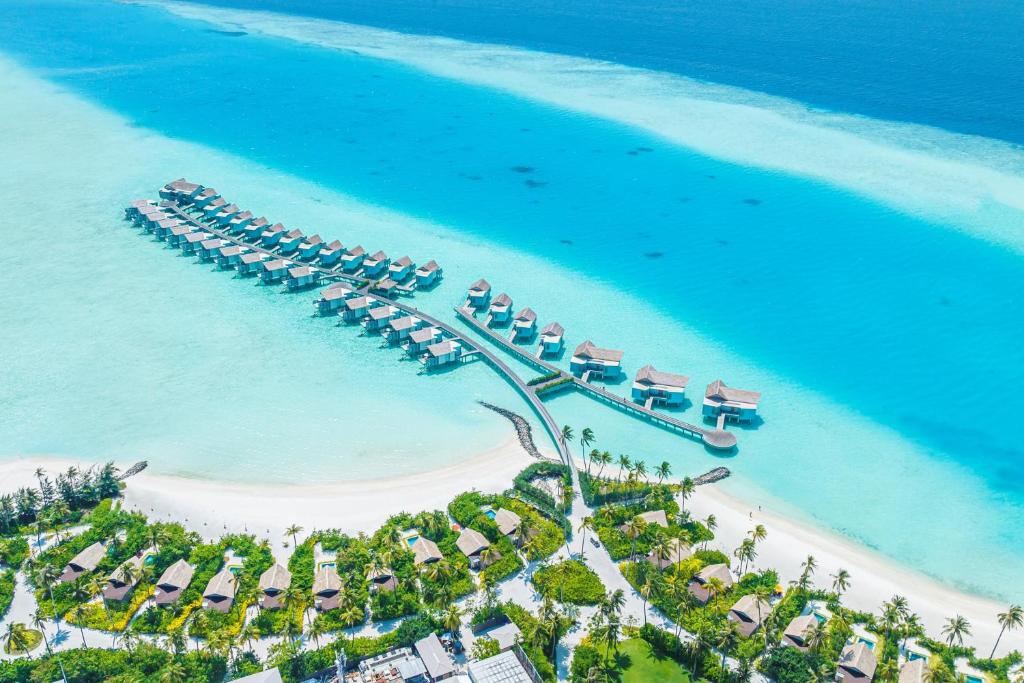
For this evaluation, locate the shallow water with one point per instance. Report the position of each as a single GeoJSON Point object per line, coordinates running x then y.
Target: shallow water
{"type": "Point", "coordinates": [868, 330]}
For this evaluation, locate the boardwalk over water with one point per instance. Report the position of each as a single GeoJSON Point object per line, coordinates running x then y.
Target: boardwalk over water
{"type": "Point", "coordinates": [718, 439]}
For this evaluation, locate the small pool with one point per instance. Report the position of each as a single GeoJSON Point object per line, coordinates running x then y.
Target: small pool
{"type": "Point", "coordinates": [411, 540]}
{"type": "Point", "coordinates": [916, 655]}
{"type": "Point", "coordinates": [871, 646]}
{"type": "Point", "coordinates": [491, 514]}
{"type": "Point", "coordinates": [150, 559]}
{"type": "Point", "coordinates": [820, 617]}
{"type": "Point", "coordinates": [974, 679]}
{"type": "Point", "coordinates": [332, 565]}
{"type": "Point", "coordinates": [235, 570]}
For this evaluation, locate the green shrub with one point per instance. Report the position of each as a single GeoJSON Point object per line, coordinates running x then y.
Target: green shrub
{"type": "Point", "coordinates": [570, 581]}
{"type": "Point", "coordinates": [543, 378]}
{"type": "Point", "coordinates": [13, 551]}
{"type": "Point", "coordinates": [6, 590]}
{"type": "Point", "coordinates": [506, 566]}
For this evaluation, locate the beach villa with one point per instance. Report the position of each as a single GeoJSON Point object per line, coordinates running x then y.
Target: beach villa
{"type": "Point", "coordinates": [737, 405]}
{"type": "Point", "coordinates": [273, 583]}
{"type": "Point", "coordinates": [913, 671]}
{"type": "Point", "coordinates": [290, 241]}
{"type": "Point", "coordinates": [589, 361]}
{"type": "Point", "coordinates": [382, 579]}
{"type": "Point", "coordinates": [551, 341]}
{"type": "Point", "coordinates": [677, 552]}
{"type": "Point", "coordinates": [798, 630]}
{"type": "Point", "coordinates": [650, 517]}
{"type": "Point", "coordinates": [479, 293]}
{"type": "Point", "coordinates": [326, 588]}
{"type": "Point", "coordinates": [376, 265]}
{"type": "Point", "coordinates": [353, 260]}
{"type": "Point", "coordinates": [172, 582]}
{"type": "Point", "coordinates": [442, 353]}
{"type": "Point", "coordinates": [123, 579]}
{"type": "Point", "coordinates": [749, 612]}
{"type": "Point", "coordinates": [698, 586]}
{"type": "Point", "coordinates": [425, 551]}
{"type": "Point", "coordinates": [331, 253]}
{"type": "Point", "coordinates": [420, 340]}
{"type": "Point", "coordinates": [472, 543]}
{"type": "Point", "coordinates": [508, 522]}
{"type": "Point", "coordinates": [310, 248]}
{"type": "Point", "coordinates": [524, 325]}
{"type": "Point", "coordinates": [652, 387]}
{"type": "Point", "coordinates": [400, 269]}
{"type": "Point", "coordinates": [857, 664]}
{"type": "Point", "coordinates": [501, 309]}
{"type": "Point", "coordinates": [219, 595]}
{"type": "Point", "coordinates": [399, 329]}
{"type": "Point", "coordinates": [84, 562]}
{"type": "Point", "coordinates": [333, 298]}
{"type": "Point", "coordinates": [428, 274]}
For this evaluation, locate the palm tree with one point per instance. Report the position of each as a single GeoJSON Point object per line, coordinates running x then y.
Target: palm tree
{"type": "Point", "coordinates": [294, 530]}
{"type": "Point", "coordinates": [586, 438]}
{"type": "Point", "coordinates": [745, 553]}
{"type": "Point", "coordinates": [625, 464]}
{"type": "Point", "coordinates": [1011, 619]}
{"type": "Point", "coordinates": [566, 435]}
{"type": "Point", "coordinates": [816, 636]}
{"type": "Point", "coordinates": [647, 589]}
{"type": "Point", "coordinates": [634, 528]}
{"type": "Point", "coordinates": [662, 471]}
{"type": "Point", "coordinates": [955, 629]}
{"type": "Point", "coordinates": [840, 582]}
{"type": "Point", "coordinates": [316, 630]}
{"type": "Point", "coordinates": [452, 619]}
{"type": "Point", "coordinates": [938, 671]}
{"type": "Point", "coordinates": [758, 533]}
{"type": "Point", "coordinates": [715, 588]}
{"type": "Point", "coordinates": [711, 523]}
{"type": "Point", "coordinates": [587, 523]}
{"type": "Point", "coordinates": [17, 639]}
{"type": "Point", "coordinates": [640, 469]}
{"type": "Point", "coordinates": [603, 458]}
{"type": "Point", "coordinates": [173, 672]}
{"type": "Point", "coordinates": [45, 576]}
{"type": "Point", "coordinates": [806, 570]}
{"type": "Point", "coordinates": [686, 489]}
{"type": "Point", "coordinates": [726, 639]}
{"type": "Point", "coordinates": [81, 596]}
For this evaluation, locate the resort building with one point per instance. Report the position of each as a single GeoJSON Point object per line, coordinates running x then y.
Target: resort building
{"type": "Point", "coordinates": [226, 213]}
{"type": "Point", "coordinates": [652, 517]}
{"type": "Point", "coordinates": [176, 235]}
{"type": "Point", "coordinates": [400, 665]}
{"type": "Point", "coordinates": [219, 595]}
{"type": "Point", "coordinates": [333, 298]}
{"type": "Point", "coordinates": [164, 226]}
{"type": "Point", "coordinates": [265, 676]}
{"type": "Point", "coordinates": [435, 658]}
{"type": "Point", "coordinates": [589, 361]}
{"type": "Point", "coordinates": [856, 664]}
{"type": "Point", "coordinates": [420, 340]}
{"type": "Point", "coordinates": [382, 579]}
{"type": "Point", "coordinates": [425, 551]}
{"type": "Point", "coordinates": [251, 263]}
{"type": "Point", "coordinates": [442, 353]}
{"type": "Point", "coordinates": [311, 247]}
{"type": "Point", "coordinates": [357, 308]}
{"type": "Point", "coordinates": [737, 405]}
{"type": "Point", "coordinates": [913, 671]}
{"type": "Point", "coordinates": [255, 228]}
{"type": "Point", "coordinates": [302, 276]}
{"type": "Point", "coordinates": [270, 237]}
{"type": "Point", "coordinates": [192, 241]}
{"type": "Point", "coordinates": [239, 221]}
{"type": "Point", "coordinates": [551, 341]}
{"type": "Point", "coordinates": [379, 318]}
{"type": "Point", "coordinates": [501, 309]}
{"type": "Point", "coordinates": [275, 270]}
{"type": "Point", "coordinates": [209, 249]}
{"type": "Point", "coordinates": [399, 329]}
{"type": "Point", "coordinates": [385, 287]}
{"type": "Point", "coordinates": [180, 190]}
{"type": "Point", "coordinates": [331, 253]}
{"type": "Point", "coordinates": [507, 636]}
{"type": "Point", "coordinates": [353, 260]}
{"type": "Point", "coordinates": [290, 241]}
{"type": "Point", "coordinates": [376, 264]}
{"type": "Point", "coordinates": [326, 588]}
{"type": "Point", "coordinates": [84, 562]}
{"type": "Point", "coordinates": [479, 293]}
{"type": "Point", "coordinates": [173, 582]}
{"type": "Point", "coordinates": [401, 269]}
{"type": "Point", "coordinates": [428, 274]}
{"type": "Point", "coordinates": [231, 255]}
{"type": "Point", "coordinates": [471, 542]}
{"type": "Point", "coordinates": [677, 552]}
{"type": "Point", "coordinates": [273, 583]}
{"type": "Point", "coordinates": [508, 522]}
{"type": "Point", "coordinates": [524, 325]}
{"type": "Point", "coordinates": [652, 387]}
{"type": "Point", "coordinates": [123, 579]}
{"type": "Point", "coordinates": [212, 208]}
{"type": "Point", "coordinates": [698, 586]}
{"type": "Point", "coordinates": [798, 630]}
{"type": "Point", "coordinates": [511, 666]}
{"type": "Point", "coordinates": [749, 613]}
{"type": "Point", "coordinates": [205, 197]}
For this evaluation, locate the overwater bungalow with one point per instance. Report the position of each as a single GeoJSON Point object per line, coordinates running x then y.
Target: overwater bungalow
{"type": "Point", "coordinates": [209, 249]}
{"type": "Point", "coordinates": [386, 287]}
{"type": "Point", "coordinates": [428, 274]}
{"type": "Point", "coordinates": [147, 216]}
{"type": "Point", "coordinates": [698, 585]}
{"type": "Point", "coordinates": [207, 195]}
{"type": "Point", "coordinates": [272, 235]}
{"type": "Point", "coordinates": [123, 579]}
{"type": "Point", "coordinates": [376, 264]}
{"type": "Point", "coordinates": [590, 361]}
{"type": "Point", "coordinates": [180, 189]}
{"type": "Point", "coordinates": [748, 613]}
{"type": "Point", "coordinates": [442, 353]}
{"type": "Point", "coordinates": [524, 324]}
{"type": "Point", "coordinates": [425, 551]}
{"type": "Point", "coordinates": [653, 387]}
{"type": "Point", "coordinates": [273, 583]}
{"type": "Point", "coordinates": [914, 671]}
{"type": "Point", "coordinates": [230, 255]}
{"type": "Point", "coordinates": [176, 235]}
{"type": "Point", "coordinates": [798, 630]}
{"type": "Point", "coordinates": [274, 270]}
{"type": "Point", "coordinates": [331, 253]}
{"type": "Point", "coordinates": [291, 241]}
{"type": "Point", "coordinates": [256, 227]}
{"type": "Point", "coordinates": [224, 216]}
{"type": "Point", "coordinates": [240, 221]}
{"type": "Point", "coordinates": [358, 307]}
{"type": "Point", "coordinates": [353, 260]}
{"type": "Point", "coordinates": [333, 298]}
{"type": "Point", "coordinates": [472, 543]}
{"type": "Point", "coordinates": [84, 562]}
{"type": "Point", "coordinates": [310, 247]}
{"type": "Point", "coordinates": [131, 212]}
{"type": "Point", "coordinates": [191, 242]}
{"type": "Point", "coordinates": [162, 228]}
{"type": "Point", "coordinates": [737, 405]}
{"type": "Point", "coordinates": [399, 329]}
{"type": "Point", "coordinates": [857, 664]}
{"type": "Point", "coordinates": [479, 293]}
{"type": "Point", "coordinates": [501, 309]}
{"type": "Point", "coordinates": [173, 582]}
{"type": "Point", "coordinates": [220, 591]}
{"type": "Point", "coordinates": [326, 588]}
{"type": "Point", "coordinates": [507, 521]}
{"type": "Point", "coordinates": [422, 338]}
{"type": "Point", "coordinates": [382, 579]}
{"type": "Point", "coordinates": [657, 517]}
{"type": "Point", "coordinates": [400, 269]}
{"type": "Point", "coordinates": [677, 552]}
{"type": "Point", "coordinates": [251, 263]}
{"type": "Point", "coordinates": [379, 318]}
{"type": "Point", "coordinates": [551, 339]}
{"type": "Point", "coordinates": [302, 276]}
{"type": "Point", "coordinates": [211, 209]}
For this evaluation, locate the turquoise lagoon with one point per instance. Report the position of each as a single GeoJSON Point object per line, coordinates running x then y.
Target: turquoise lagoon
{"type": "Point", "coordinates": [880, 338]}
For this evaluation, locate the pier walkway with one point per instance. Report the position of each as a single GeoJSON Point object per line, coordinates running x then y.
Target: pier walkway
{"type": "Point", "coordinates": [718, 439]}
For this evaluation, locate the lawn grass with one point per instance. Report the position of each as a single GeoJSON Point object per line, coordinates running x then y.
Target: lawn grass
{"type": "Point", "coordinates": [644, 666]}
